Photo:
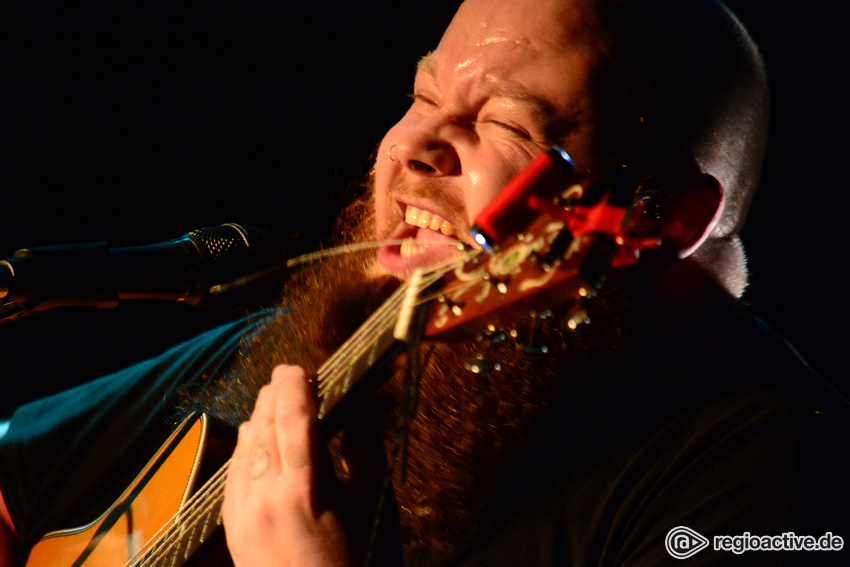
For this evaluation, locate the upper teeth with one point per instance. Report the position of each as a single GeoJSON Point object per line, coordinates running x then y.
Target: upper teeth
{"type": "Point", "coordinates": [423, 219]}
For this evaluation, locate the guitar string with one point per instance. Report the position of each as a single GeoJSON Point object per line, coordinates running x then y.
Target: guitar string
{"type": "Point", "coordinates": [331, 373]}
{"type": "Point", "coordinates": [198, 507]}
{"type": "Point", "coordinates": [307, 258]}
{"type": "Point", "coordinates": [205, 500]}
{"type": "Point", "coordinates": [336, 373]}
{"type": "Point", "coordinates": [377, 319]}
{"type": "Point", "coordinates": [335, 366]}
{"type": "Point", "coordinates": [332, 365]}
{"type": "Point", "coordinates": [172, 533]}
{"type": "Point", "coordinates": [395, 299]}
{"type": "Point", "coordinates": [356, 247]}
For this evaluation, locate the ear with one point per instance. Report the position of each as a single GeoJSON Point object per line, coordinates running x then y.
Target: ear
{"type": "Point", "coordinates": [689, 216]}
{"type": "Point", "coordinates": [684, 219]}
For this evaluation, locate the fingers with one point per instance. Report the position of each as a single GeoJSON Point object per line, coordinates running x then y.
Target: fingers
{"type": "Point", "coordinates": [269, 488]}
{"type": "Point", "coordinates": [278, 437]}
{"type": "Point", "coordinates": [283, 503]}
{"type": "Point", "coordinates": [294, 427]}
{"type": "Point", "coordinates": [276, 443]}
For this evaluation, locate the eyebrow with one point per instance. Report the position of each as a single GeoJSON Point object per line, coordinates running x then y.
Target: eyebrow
{"type": "Point", "coordinates": [540, 108]}
{"type": "Point", "coordinates": [426, 64]}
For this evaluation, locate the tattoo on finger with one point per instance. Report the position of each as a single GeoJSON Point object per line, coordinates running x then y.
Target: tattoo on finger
{"type": "Point", "coordinates": [260, 459]}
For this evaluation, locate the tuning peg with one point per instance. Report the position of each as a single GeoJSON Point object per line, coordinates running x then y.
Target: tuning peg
{"type": "Point", "coordinates": [559, 246]}
{"type": "Point", "coordinates": [486, 362]}
{"type": "Point", "coordinates": [532, 343]}
{"type": "Point", "coordinates": [500, 283]}
{"type": "Point", "coordinates": [598, 259]}
{"type": "Point", "coordinates": [456, 307]}
{"type": "Point", "coordinates": [510, 213]}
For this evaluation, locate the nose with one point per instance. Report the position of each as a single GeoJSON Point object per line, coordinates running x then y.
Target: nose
{"type": "Point", "coordinates": [425, 150]}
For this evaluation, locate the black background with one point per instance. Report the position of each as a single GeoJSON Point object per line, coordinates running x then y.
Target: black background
{"type": "Point", "coordinates": [133, 124]}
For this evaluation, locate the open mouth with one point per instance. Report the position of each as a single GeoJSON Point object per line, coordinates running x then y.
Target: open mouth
{"type": "Point", "coordinates": [427, 239]}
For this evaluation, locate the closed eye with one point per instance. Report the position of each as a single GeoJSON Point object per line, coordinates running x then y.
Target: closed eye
{"type": "Point", "coordinates": [512, 128]}
{"type": "Point", "coordinates": [419, 97]}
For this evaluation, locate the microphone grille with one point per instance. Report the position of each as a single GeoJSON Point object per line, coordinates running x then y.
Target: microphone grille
{"type": "Point", "coordinates": [232, 252]}
{"type": "Point", "coordinates": [219, 241]}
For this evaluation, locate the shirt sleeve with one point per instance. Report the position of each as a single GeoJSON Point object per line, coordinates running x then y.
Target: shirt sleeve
{"type": "Point", "coordinates": [67, 457]}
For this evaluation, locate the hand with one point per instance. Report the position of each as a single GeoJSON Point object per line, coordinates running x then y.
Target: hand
{"type": "Point", "coordinates": [283, 505]}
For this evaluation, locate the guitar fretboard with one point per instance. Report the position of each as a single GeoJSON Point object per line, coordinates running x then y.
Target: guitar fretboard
{"type": "Point", "coordinates": [201, 516]}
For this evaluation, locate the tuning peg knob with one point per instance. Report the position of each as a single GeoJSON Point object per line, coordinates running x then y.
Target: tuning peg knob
{"type": "Point", "coordinates": [532, 343]}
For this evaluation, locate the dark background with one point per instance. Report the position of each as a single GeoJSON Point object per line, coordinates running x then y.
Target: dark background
{"type": "Point", "coordinates": [134, 124]}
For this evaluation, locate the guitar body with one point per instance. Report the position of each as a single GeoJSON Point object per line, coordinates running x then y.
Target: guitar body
{"type": "Point", "coordinates": [147, 505]}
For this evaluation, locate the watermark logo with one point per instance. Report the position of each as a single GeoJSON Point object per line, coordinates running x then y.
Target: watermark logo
{"type": "Point", "coordinates": [683, 542]}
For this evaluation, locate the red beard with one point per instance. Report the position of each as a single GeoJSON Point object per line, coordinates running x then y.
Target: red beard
{"type": "Point", "coordinates": [470, 430]}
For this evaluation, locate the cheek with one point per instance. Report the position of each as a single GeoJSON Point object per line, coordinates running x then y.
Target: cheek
{"type": "Point", "coordinates": [489, 175]}
{"type": "Point", "coordinates": [385, 171]}
{"type": "Point", "coordinates": [481, 187]}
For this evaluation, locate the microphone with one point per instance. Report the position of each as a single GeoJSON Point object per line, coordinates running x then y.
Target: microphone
{"type": "Point", "coordinates": [246, 264]}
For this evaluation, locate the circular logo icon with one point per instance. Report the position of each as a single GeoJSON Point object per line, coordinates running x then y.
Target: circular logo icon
{"type": "Point", "coordinates": [683, 542]}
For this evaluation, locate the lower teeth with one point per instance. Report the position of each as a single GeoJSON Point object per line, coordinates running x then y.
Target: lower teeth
{"type": "Point", "coordinates": [409, 248]}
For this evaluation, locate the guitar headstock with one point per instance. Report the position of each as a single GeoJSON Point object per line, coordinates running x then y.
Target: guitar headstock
{"type": "Point", "coordinates": [546, 243]}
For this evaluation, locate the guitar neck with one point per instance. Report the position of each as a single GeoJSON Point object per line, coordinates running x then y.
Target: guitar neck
{"type": "Point", "coordinates": [335, 380]}
{"type": "Point", "coordinates": [368, 346]}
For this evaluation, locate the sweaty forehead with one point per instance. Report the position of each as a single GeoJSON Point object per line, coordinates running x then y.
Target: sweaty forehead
{"type": "Point", "coordinates": [544, 50]}
{"type": "Point", "coordinates": [519, 37]}
{"type": "Point", "coordinates": [558, 23]}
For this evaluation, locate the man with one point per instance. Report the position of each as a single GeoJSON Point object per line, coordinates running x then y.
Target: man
{"type": "Point", "coordinates": [673, 408]}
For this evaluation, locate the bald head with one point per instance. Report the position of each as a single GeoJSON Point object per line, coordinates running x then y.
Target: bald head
{"type": "Point", "coordinates": [687, 83]}
{"type": "Point", "coordinates": [676, 80]}
{"type": "Point", "coordinates": [659, 85]}
{"type": "Point", "coordinates": [690, 83]}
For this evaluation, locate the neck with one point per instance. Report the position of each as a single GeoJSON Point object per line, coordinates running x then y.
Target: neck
{"type": "Point", "coordinates": [686, 291]}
